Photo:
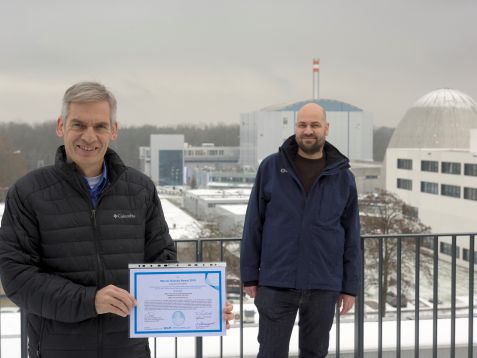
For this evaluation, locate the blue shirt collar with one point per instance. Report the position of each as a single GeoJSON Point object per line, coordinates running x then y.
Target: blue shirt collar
{"type": "Point", "coordinates": [95, 192]}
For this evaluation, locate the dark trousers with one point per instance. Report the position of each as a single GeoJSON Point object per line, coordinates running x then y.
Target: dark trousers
{"type": "Point", "coordinates": [278, 307]}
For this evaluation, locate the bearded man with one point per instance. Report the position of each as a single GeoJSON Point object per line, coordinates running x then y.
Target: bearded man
{"type": "Point", "coordinates": [301, 240]}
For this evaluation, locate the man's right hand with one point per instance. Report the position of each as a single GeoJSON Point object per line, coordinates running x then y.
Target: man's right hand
{"type": "Point", "coordinates": [251, 291]}
{"type": "Point", "coordinates": [112, 299]}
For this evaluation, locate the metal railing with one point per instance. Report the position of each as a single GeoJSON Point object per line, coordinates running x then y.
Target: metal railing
{"type": "Point", "coordinates": [404, 265]}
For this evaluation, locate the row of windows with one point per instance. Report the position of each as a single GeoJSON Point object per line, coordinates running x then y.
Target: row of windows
{"type": "Point", "coordinates": [446, 248]}
{"type": "Point", "coordinates": [453, 191]}
{"type": "Point", "coordinates": [446, 167]}
{"type": "Point", "coordinates": [220, 179]}
{"type": "Point", "coordinates": [201, 152]}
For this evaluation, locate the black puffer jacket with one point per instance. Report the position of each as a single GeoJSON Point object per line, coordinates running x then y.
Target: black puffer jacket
{"type": "Point", "coordinates": [56, 251]}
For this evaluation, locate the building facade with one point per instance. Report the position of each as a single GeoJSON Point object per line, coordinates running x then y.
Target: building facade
{"type": "Point", "coordinates": [431, 163]}
{"type": "Point", "coordinates": [167, 159]}
{"type": "Point", "coordinates": [263, 132]}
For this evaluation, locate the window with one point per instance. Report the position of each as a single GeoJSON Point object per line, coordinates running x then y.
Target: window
{"type": "Point", "coordinates": [170, 167]}
{"type": "Point", "coordinates": [429, 166]}
{"type": "Point", "coordinates": [447, 249]}
{"type": "Point", "coordinates": [404, 164]}
{"type": "Point", "coordinates": [405, 184]}
{"type": "Point", "coordinates": [428, 187]}
{"type": "Point", "coordinates": [450, 167]}
{"type": "Point", "coordinates": [410, 211]}
{"type": "Point", "coordinates": [470, 193]}
{"type": "Point", "coordinates": [470, 169]}
{"type": "Point", "coordinates": [450, 190]}
{"type": "Point", "coordinates": [466, 255]}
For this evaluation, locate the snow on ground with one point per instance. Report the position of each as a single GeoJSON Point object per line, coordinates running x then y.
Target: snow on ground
{"type": "Point", "coordinates": [181, 225]}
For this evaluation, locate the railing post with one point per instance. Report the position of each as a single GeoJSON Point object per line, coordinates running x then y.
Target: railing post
{"type": "Point", "coordinates": [470, 340]}
{"type": "Point", "coordinates": [435, 297]}
{"type": "Point", "coordinates": [381, 298]}
{"type": "Point", "coordinates": [398, 296]}
{"type": "Point", "coordinates": [23, 335]}
{"type": "Point", "coordinates": [241, 310]}
{"type": "Point", "coordinates": [359, 313]}
{"type": "Point", "coordinates": [417, 259]}
{"type": "Point", "coordinates": [453, 294]}
{"type": "Point", "coordinates": [198, 340]}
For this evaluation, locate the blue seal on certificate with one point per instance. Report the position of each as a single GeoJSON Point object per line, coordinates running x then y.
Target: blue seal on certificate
{"type": "Point", "coordinates": [178, 318]}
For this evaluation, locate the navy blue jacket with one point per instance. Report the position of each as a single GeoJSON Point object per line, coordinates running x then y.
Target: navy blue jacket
{"type": "Point", "coordinates": [297, 240]}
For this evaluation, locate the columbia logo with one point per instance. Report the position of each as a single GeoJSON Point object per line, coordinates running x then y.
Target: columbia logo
{"type": "Point", "coordinates": [283, 171]}
{"type": "Point", "coordinates": [124, 216]}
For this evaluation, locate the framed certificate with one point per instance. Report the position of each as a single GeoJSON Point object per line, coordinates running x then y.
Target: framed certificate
{"type": "Point", "coordinates": [175, 300]}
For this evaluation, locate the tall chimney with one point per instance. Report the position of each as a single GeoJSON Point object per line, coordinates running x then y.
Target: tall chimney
{"type": "Point", "coordinates": [316, 78]}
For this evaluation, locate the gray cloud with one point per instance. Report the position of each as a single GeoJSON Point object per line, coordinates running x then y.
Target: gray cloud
{"type": "Point", "coordinates": [209, 60]}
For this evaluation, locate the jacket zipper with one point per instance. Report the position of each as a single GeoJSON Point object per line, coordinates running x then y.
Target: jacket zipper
{"type": "Point", "coordinates": [100, 280]}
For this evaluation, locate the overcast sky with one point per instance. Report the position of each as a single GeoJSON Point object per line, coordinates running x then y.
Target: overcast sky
{"type": "Point", "coordinates": [207, 61]}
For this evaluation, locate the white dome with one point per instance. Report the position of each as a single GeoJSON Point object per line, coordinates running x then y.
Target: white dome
{"type": "Point", "coordinates": [440, 119]}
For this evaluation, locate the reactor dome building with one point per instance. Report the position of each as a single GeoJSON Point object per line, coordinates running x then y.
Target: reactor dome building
{"type": "Point", "coordinates": [431, 163]}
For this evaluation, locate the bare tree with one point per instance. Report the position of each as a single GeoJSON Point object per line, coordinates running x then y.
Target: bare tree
{"type": "Point", "coordinates": [13, 164]}
{"type": "Point", "coordinates": [384, 213]}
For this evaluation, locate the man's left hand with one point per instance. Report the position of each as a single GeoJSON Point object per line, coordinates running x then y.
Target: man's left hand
{"type": "Point", "coordinates": [345, 303]}
{"type": "Point", "coordinates": [228, 314]}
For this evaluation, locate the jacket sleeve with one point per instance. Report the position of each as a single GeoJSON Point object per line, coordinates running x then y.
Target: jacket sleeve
{"type": "Point", "coordinates": [251, 247]}
{"type": "Point", "coordinates": [159, 244]}
{"type": "Point", "coordinates": [352, 245]}
{"type": "Point", "coordinates": [25, 283]}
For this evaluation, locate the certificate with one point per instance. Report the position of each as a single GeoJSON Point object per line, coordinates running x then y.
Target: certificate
{"type": "Point", "coordinates": [177, 299]}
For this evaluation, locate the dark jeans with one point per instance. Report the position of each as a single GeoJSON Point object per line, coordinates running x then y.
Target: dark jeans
{"type": "Point", "coordinates": [277, 308]}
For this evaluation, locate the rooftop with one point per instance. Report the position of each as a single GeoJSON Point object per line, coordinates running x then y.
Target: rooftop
{"type": "Point", "coordinates": [330, 105]}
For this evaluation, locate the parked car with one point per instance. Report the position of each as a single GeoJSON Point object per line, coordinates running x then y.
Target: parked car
{"type": "Point", "coordinates": [391, 298]}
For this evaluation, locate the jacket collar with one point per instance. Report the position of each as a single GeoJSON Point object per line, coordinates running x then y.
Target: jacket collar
{"type": "Point", "coordinates": [334, 158]}
{"type": "Point", "coordinates": [114, 163]}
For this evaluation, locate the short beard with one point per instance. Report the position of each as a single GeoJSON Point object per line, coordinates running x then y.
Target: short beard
{"type": "Point", "coordinates": [315, 148]}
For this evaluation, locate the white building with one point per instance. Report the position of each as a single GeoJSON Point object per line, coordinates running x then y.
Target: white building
{"type": "Point", "coordinates": [145, 160]}
{"type": "Point", "coordinates": [230, 218]}
{"type": "Point", "coordinates": [430, 164]}
{"type": "Point", "coordinates": [262, 132]}
{"type": "Point", "coordinates": [208, 153]}
{"type": "Point", "coordinates": [367, 176]}
{"type": "Point", "coordinates": [201, 203]}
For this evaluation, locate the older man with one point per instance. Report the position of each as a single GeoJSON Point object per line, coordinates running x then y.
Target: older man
{"type": "Point", "coordinates": [69, 232]}
{"type": "Point", "coordinates": [301, 242]}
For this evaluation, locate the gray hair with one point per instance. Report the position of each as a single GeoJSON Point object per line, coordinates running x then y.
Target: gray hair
{"type": "Point", "coordinates": [87, 92]}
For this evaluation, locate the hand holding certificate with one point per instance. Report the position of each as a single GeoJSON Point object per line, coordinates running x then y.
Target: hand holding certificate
{"type": "Point", "coordinates": [177, 299]}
